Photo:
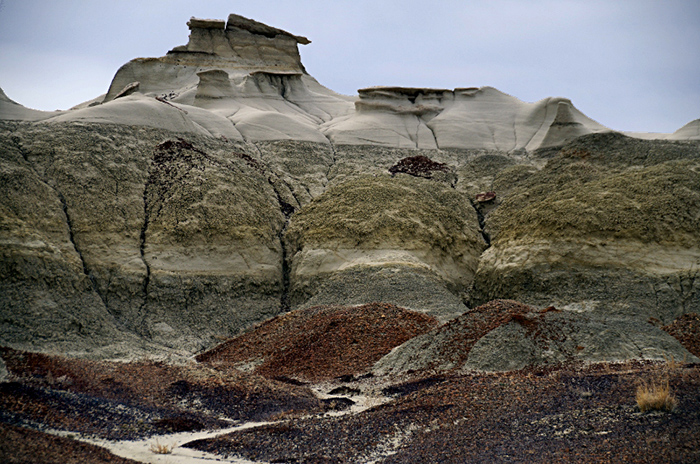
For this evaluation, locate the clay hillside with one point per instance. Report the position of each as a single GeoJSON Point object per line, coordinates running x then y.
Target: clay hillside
{"type": "Point", "coordinates": [221, 258]}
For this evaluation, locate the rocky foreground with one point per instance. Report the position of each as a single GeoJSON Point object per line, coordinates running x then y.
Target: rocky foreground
{"type": "Point", "coordinates": [320, 401]}
{"type": "Point", "coordinates": [408, 275]}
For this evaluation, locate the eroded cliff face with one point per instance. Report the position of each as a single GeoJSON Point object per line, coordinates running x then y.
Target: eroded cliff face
{"type": "Point", "coordinates": [114, 231]}
{"type": "Point", "coordinates": [221, 185]}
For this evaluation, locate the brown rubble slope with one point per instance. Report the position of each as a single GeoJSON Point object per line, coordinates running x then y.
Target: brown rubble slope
{"type": "Point", "coordinates": [322, 342]}
{"type": "Point", "coordinates": [19, 445]}
{"type": "Point", "coordinates": [686, 329]}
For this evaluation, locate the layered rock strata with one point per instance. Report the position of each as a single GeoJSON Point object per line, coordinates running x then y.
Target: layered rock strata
{"type": "Point", "coordinates": [218, 185]}
{"type": "Point", "coordinates": [473, 118]}
{"type": "Point", "coordinates": [422, 231]}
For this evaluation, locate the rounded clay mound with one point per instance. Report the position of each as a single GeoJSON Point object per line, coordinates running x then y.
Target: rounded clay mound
{"type": "Point", "coordinates": [320, 343]}
{"type": "Point", "coordinates": [404, 211]}
{"type": "Point", "coordinates": [652, 204]}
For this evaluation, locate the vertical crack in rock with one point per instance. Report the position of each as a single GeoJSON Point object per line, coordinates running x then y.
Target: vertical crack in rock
{"type": "Point", "coordinates": [268, 172]}
{"type": "Point", "coordinates": [142, 244]}
{"type": "Point", "coordinates": [482, 223]}
{"type": "Point", "coordinates": [437, 145]}
{"type": "Point", "coordinates": [283, 93]}
{"type": "Point", "coordinates": [493, 138]}
{"type": "Point", "coordinates": [286, 271]}
{"type": "Point", "coordinates": [287, 210]}
{"type": "Point", "coordinates": [71, 236]}
{"type": "Point", "coordinates": [418, 121]}
{"type": "Point", "coordinates": [68, 220]}
{"type": "Point", "coordinates": [161, 177]}
{"type": "Point", "coordinates": [687, 288]}
{"type": "Point", "coordinates": [334, 156]}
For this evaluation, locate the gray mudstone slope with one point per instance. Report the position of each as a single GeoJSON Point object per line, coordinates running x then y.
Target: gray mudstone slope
{"type": "Point", "coordinates": [123, 240]}
{"type": "Point", "coordinates": [506, 335]}
{"type": "Point", "coordinates": [115, 233]}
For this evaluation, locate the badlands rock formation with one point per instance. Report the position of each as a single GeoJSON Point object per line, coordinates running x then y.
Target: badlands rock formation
{"type": "Point", "coordinates": [219, 185]}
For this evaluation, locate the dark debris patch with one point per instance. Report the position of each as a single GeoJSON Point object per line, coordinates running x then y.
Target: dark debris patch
{"type": "Point", "coordinates": [337, 403]}
{"type": "Point", "coordinates": [418, 166]}
{"type": "Point", "coordinates": [133, 400]}
{"type": "Point", "coordinates": [344, 390]}
{"type": "Point", "coordinates": [405, 388]}
{"type": "Point", "coordinates": [20, 445]}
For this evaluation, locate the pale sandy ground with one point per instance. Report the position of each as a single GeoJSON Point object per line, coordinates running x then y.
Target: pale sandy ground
{"type": "Point", "coordinates": [140, 450]}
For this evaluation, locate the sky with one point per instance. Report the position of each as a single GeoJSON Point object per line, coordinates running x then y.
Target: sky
{"type": "Point", "coordinates": [632, 65]}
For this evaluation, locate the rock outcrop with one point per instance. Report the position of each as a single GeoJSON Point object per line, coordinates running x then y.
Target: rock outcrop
{"type": "Point", "coordinates": [239, 45]}
{"type": "Point", "coordinates": [219, 185]}
{"type": "Point", "coordinates": [472, 118]}
{"type": "Point", "coordinates": [610, 225]}
{"type": "Point", "coordinates": [112, 231]}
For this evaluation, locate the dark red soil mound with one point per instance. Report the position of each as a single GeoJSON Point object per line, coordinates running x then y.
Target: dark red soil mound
{"type": "Point", "coordinates": [686, 329]}
{"type": "Point", "coordinates": [129, 400]}
{"type": "Point", "coordinates": [322, 342]}
{"type": "Point", "coordinates": [569, 414]}
{"type": "Point", "coordinates": [22, 446]}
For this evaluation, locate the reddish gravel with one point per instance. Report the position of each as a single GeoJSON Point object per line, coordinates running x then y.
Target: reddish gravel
{"type": "Point", "coordinates": [564, 414]}
{"type": "Point", "coordinates": [322, 342]}
{"type": "Point", "coordinates": [686, 329]}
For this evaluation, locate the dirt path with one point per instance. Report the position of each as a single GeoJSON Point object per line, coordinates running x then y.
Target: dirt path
{"type": "Point", "coordinates": [141, 450]}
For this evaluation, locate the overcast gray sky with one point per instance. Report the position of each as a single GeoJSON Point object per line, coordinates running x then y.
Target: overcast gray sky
{"type": "Point", "coordinates": [629, 64]}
